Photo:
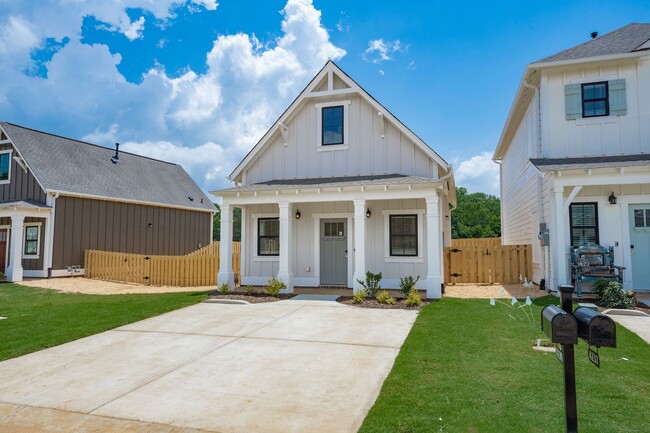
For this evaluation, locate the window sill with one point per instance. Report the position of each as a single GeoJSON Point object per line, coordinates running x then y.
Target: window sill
{"type": "Point", "coordinates": [332, 147]}
{"type": "Point", "coordinates": [31, 257]}
{"type": "Point", "coordinates": [404, 259]}
{"type": "Point", "coordinates": [266, 258]}
{"type": "Point", "coordinates": [596, 120]}
{"type": "Point", "coordinates": [5, 182]}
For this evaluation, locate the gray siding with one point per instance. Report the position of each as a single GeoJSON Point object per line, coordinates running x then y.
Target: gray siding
{"type": "Point", "coordinates": [82, 223]}
{"type": "Point", "coordinates": [23, 185]}
{"type": "Point", "coordinates": [28, 264]}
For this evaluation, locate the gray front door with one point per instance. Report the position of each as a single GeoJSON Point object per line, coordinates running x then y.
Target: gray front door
{"type": "Point", "coordinates": [333, 252]}
{"type": "Point", "coordinates": [640, 245]}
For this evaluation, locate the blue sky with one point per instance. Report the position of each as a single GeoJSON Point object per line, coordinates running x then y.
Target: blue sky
{"type": "Point", "coordinates": [199, 81]}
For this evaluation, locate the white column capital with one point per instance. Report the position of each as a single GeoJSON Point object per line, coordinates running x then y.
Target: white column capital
{"type": "Point", "coordinates": [558, 189]}
{"type": "Point", "coordinates": [284, 205]}
{"type": "Point", "coordinates": [432, 199]}
{"type": "Point", "coordinates": [359, 202]}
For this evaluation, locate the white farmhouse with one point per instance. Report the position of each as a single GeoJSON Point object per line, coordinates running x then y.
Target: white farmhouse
{"type": "Point", "coordinates": [575, 155]}
{"type": "Point", "coordinates": [339, 186]}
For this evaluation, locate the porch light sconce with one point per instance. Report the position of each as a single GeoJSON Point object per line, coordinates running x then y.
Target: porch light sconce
{"type": "Point", "coordinates": [368, 213]}
{"type": "Point", "coordinates": [612, 198]}
{"type": "Point", "coordinates": [298, 214]}
{"type": "Point", "coordinates": [447, 217]}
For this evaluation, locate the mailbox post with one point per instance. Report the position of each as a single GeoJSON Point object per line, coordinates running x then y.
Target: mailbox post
{"type": "Point", "coordinates": [568, 360]}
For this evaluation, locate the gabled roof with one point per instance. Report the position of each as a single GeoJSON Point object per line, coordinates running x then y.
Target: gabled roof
{"type": "Point", "coordinates": [71, 166]}
{"type": "Point", "coordinates": [331, 67]}
{"type": "Point", "coordinates": [630, 41]}
{"type": "Point", "coordinates": [627, 39]}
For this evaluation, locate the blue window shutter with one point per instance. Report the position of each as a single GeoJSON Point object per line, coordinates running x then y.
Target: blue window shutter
{"type": "Point", "coordinates": [573, 101]}
{"type": "Point", "coordinates": [617, 99]}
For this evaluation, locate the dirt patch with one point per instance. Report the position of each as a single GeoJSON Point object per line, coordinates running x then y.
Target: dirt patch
{"type": "Point", "coordinates": [477, 291]}
{"type": "Point", "coordinates": [400, 303]}
{"type": "Point", "coordinates": [257, 298]}
{"type": "Point", "coordinates": [99, 287]}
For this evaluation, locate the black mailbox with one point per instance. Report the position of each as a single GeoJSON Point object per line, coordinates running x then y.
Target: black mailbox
{"type": "Point", "coordinates": [559, 326]}
{"type": "Point", "coordinates": [595, 328]}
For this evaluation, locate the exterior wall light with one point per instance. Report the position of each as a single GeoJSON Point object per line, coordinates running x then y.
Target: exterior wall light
{"type": "Point", "coordinates": [612, 198]}
{"type": "Point", "coordinates": [298, 214]}
{"type": "Point", "coordinates": [368, 213]}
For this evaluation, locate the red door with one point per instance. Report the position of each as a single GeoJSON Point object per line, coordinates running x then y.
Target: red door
{"type": "Point", "coordinates": [3, 249]}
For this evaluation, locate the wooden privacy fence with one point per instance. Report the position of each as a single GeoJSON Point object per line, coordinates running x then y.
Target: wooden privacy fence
{"type": "Point", "coordinates": [191, 270]}
{"type": "Point", "coordinates": [488, 264]}
{"type": "Point", "coordinates": [213, 248]}
{"type": "Point", "coordinates": [476, 242]}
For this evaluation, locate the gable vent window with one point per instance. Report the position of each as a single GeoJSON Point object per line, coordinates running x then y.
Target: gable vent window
{"type": "Point", "coordinates": [5, 166]}
{"type": "Point", "coordinates": [596, 99]}
{"type": "Point", "coordinates": [332, 125]}
{"type": "Point", "coordinates": [584, 223]}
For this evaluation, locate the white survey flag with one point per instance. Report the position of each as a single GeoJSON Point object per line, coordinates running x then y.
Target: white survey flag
{"type": "Point", "coordinates": [514, 300]}
{"type": "Point", "coordinates": [492, 302]}
{"type": "Point", "coordinates": [528, 301]}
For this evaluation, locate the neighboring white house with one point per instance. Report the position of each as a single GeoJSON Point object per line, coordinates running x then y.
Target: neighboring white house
{"type": "Point", "coordinates": [577, 134]}
{"type": "Point", "coordinates": [339, 186]}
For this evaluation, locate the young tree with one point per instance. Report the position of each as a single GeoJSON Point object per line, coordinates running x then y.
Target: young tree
{"type": "Point", "coordinates": [477, 215]}
{"type": "Point", "coordinates": [236, 225]}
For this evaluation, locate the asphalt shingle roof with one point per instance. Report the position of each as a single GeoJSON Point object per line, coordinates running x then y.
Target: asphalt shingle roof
{"type": "Point", "coordinates": [624, 40]}
{"type": "Point", "coordinates": [547, 164]}
{"type": "Point", "coordinates": [332, 182]}
{"type": "Point", "coordinates": [67, 165]}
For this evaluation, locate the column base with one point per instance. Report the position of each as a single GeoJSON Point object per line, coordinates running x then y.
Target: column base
{"type": "Point", "coordinates": [287, 279]}
{"type": "Point", "coordinates": [434, 287]}
{"type": "Point", "coordinates": [14, 274]}
{"type": "Point", "coordinates": [226, 277]}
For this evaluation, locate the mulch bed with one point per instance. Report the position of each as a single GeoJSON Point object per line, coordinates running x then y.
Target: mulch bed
{"type": "Point", "coordinates": [400, 303]}
{"type": "Point", "coordinates": [257, 298]}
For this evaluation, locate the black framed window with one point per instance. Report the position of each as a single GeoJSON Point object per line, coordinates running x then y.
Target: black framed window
{"type": "Point", "coordinates": [403, 233]}
{"type": "Point", "coordinates": [5, 161]}
{"type": "Point", "coordinates": [595, 99]}
{"type": "Point", "coordinates": [31, 240]}
{"type": "Point", "coordinates": [332, 125]}
{"type": "Point", "coordinates": [583, 219]}
{"type": "Point", "coordinates": [268, 237]}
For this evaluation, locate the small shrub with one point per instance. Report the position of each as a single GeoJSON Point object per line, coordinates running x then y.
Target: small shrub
{"type": "Point", "coordinates": [273, 287]}
{"type": "Point", "coordinates": [599, 287]}
{"type": "Point", "coordinates": [614, 296]}
{"type": "Point", "coordinates": [385, 298]}
{"type": "Point", "coordinates": [413, 299]}
{"type": "Point", "coordinates": [407, 283]}
{"type": "Point", "coordinates": [359, 296]}
{"type": "Point", "coordinates": [249, 291]}
{"type": "Point", "coordinates": [371, 284]}
{"type": "Point", "coordinates": [225, 289]}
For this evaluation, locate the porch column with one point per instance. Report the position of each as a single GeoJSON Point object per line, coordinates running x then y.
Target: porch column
{"type": "Point", "coordinates": [359, 244]}
{"type": "Point", "coordinates": [559, 253]}
{"type": "Point", "coordinates": [15, 270]}
{"type": "Point", "coordinates": [285, 273]}
{"type": "Point", "coordinates": [433, 248]}
{"type": "Point", "coordinates": [226, 275]}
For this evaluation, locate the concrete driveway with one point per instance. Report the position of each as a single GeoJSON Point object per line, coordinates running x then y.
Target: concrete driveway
{"type": "Point", "coordinates": [290, 366]}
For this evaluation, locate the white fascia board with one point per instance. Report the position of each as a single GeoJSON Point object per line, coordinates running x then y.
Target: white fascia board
{"type": "Point", "coordinates": [353, 88]}
{"type": "Point", "coordinates": [580, 179]}
{"type": "Point", "coordinates": [21, 157]}
{"type": "Point", "coordinates": [122, 200]}
{"type": "Point", "coordinates": [583, 60]}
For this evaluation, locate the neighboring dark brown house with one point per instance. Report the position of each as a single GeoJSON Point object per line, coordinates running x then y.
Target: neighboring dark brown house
{"type": "Point", "coordinates": [59, 197]}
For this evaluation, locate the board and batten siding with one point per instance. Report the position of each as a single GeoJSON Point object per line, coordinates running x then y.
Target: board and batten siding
{"type": "Point", "coordinates": [367, 154]}
{"type": "Point", "coordinates": [28, 264]}
{"type": "Point", "coordinates": [597, 136]}
{"type": "Point", "coordinates": [82, 223]}
{"type": "Point", "coordinates": [22, 185]}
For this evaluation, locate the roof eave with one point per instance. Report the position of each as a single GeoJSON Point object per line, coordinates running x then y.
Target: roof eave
{"type": "Point", "coordinates": [594, 59]}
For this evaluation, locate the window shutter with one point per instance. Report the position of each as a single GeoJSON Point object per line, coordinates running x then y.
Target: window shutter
{"type": "Point", "coordinates": [617, 99]}
{"type": "Point", "coordinates": [573, 101]}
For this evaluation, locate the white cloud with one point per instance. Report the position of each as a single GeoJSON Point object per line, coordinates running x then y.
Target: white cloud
{"type": "Point", "coordinates": [380, 50]}
{"type": "Point", "coordinates": [134, 31]}
{"type": "Point", "coordinates": [207, 122]}
{"type": "Point", "coordinates": [478, 174]}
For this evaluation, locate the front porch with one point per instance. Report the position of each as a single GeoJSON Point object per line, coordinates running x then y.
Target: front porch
{"type": "Point", "coordinates": [330, 235]}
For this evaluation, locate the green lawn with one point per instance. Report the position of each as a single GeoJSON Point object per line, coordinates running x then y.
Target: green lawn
{"type": "Point", "coordinates": [467, 366]}
{"type": "Point", "coordinates": [40, 318]}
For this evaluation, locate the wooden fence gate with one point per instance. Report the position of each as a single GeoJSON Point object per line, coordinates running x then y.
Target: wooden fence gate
{"type": "Point", "coordinates": [484, 261]}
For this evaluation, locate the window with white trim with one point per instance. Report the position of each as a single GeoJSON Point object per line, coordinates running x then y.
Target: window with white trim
{"type": "Point", "coordinates": [403, 233]}
{"type": "Point", "coordinates": [268, 237]}
{"type": "Point", "coordinates": [5, 166]}
{"type": "Point", "coordinates": [32, 241]}
{"type": "Point", "coordinates": [332, 125]}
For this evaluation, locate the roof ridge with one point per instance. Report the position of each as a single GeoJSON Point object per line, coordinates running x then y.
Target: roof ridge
{"type": "Point", "coordinates": [86, 142]}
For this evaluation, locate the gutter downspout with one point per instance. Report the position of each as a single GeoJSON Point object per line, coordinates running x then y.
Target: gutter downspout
{"type": "Point", "coordinates": [51, 201]}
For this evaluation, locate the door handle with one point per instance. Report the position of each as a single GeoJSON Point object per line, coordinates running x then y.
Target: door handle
{"type": "Point", "coordinates": [631, 247]}
{"type": "Point", "coordinates": [346, 254]}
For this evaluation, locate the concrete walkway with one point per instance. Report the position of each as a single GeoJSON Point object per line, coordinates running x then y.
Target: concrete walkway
{"type": "Point", "coordinates": [638, 323]}
{"type": "Point", "coordinates": [290, 366]}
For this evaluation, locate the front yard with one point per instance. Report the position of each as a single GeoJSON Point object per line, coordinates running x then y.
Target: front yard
{"type": "Point", "coordinates": [39, 318]}
{"type": "Point", "coordinates": [469, 367]}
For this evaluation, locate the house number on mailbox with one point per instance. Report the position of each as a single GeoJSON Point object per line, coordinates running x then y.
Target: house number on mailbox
{"type": "Point", "coordinates": [594, 357]}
